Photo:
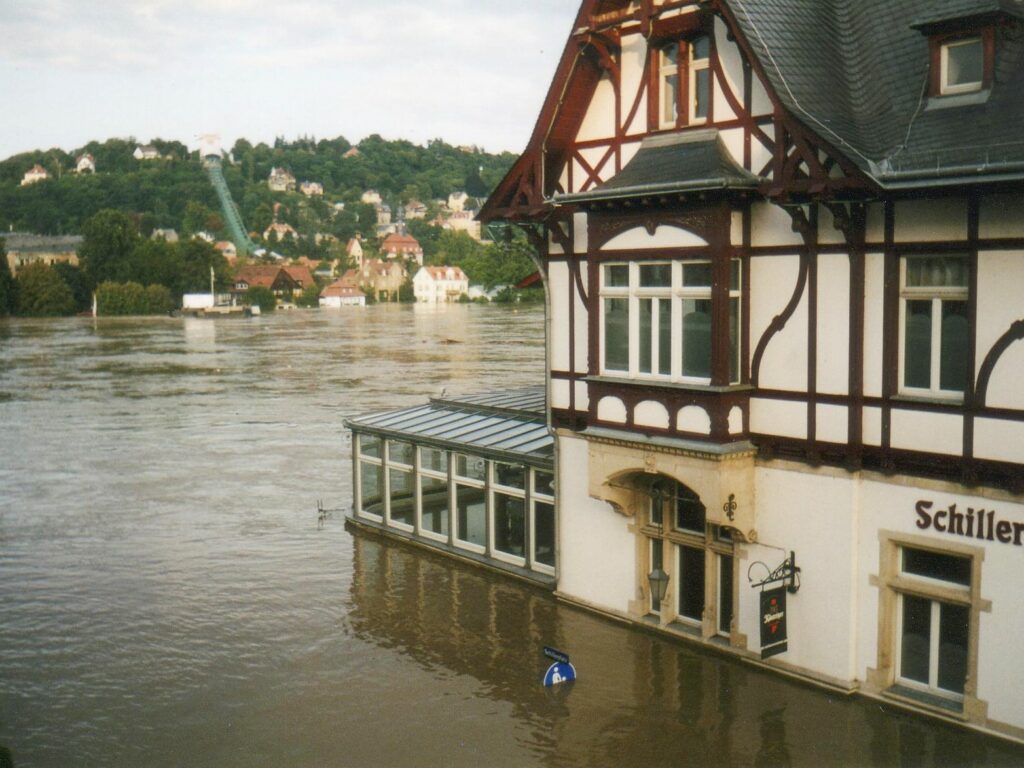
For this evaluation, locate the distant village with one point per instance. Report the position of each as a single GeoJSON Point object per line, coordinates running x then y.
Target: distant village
{"type": "Point", "coordinates": [385, 264]}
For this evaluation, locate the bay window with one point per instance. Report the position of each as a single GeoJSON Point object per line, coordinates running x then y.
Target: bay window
{"type": "Point", "coordinates": [657, 320]}
{"type": "Point", "coordinates": [935, 330]}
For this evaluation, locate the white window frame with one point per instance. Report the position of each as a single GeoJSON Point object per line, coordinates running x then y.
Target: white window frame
{"type": "Point", "coordinates": [537, 496]}
{"type": "Point", "coordinates": [665, 71]}
{"type": "Point", "coordinates": [496, 489]}
{"type": "Point", "coordinates": [374, 461]}
{"type": "Point", "coordinates": [694, 66]}
{"type": "Point", "coordinates": [945, 88]}
{"type": "Point", "coordinates": [677, 293]}
{"type": "Point", "coordinates": [458, 480]}
{"type": "Point", "coordinates": [410, 469]}
{"type": "Point", "coordinates": [433, 475]}
{"type": "Point", "coordinates": [936, 295]}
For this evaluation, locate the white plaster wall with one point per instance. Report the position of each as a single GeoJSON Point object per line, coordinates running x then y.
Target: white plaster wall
{"type": "Point", "coordinates": [832, 423]}
{"type": "Point", "coordinates": [651, 414]}
{"type": "Point", "coordinates": [580, 233]}
{"type": "Point", "coordinates": [732, 69]}
{"type": "Point", "coordinates": [931, 220]}
{"type": "Point", "coordinates": [760, 155]}
{"type": "Point", "coordinates": [733, 141]}
{"type": "Point", "coordinates": [874, 295]}
{"type": "Point", "coordinates": [827, 232]}
{"type": "Point", "coordinates": [777, 417]}
{"type": "Point", "coordinates": [1000, 278]}
{"type": "Point", "coordinates": [891, 507]}
{"type": "Point", "coordinates": [928, 432]}
{"type": "Point", "coordinates": [872, 426]}
{"type": "Point", "coordinates": [582, 351]}
{"type": "Point", "coordinates": [563, 178]}
{"type": "Point", "coordinates": [599, 122]}
{"type": "Point", "coordinates": [558, 284]}
{"type": "Point", "coordinates": [735, 420]}
{"type": "Point", "coordinates": [1001, 216]}
{"type": "Point", "coordinates": [663, 237]}
{"type": "Point", "coordinates": [833, 369]}
{"type": "Point", "coordinates": [694, 419]}
{"type": "Point", "coordinates": [597, 554]}
{"type": "Point", "coordinates": [593, 157]}
{"type": "Point", "coordinates": [736, 228]}
{"type": "Point", "coordinates": [999, 440]}
{"type": "Point", "coordinates": [772, 226]}
{"type": "Point", "coordinates": [559, 393]}
{"type": "Point", "coordinates": [582, 396]}
{"type": "Point", "coordinates": [611, 409]}
{"type": "Point", "coordinates": [631, 65]}
{"type": "Point", "coordinates": [814, 516]}
{"type": "Point", "coordinates": [761, 104]}
{"type": "Point", "coordinates": [876, 223]}
{"type": "Point", "coordinates": [784, 365]}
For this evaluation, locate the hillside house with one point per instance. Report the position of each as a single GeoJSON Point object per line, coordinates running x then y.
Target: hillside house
{"type": "Point", "coordinates": [402, 246]}
{"type": "Point", "coordinates": [34, 175]}
{"type": "Point", "coordinates": [457, 202]}
{"type": "Point", "coordinates": [228, 250]}
{"type": "Point", "coordinates": [147, 152]}
{"type": "Point", "coordinates": [273, 277]}
{"type": "Point", "coordinates": [312, 189]}
{"type": "Point", "coordinates": [85, 164]}
{"type": "Point", "coordinates": [463, 221]}
{"type": "Point", "coordinates": [168, 235]}
{"type": "Point", "coordinates": [278, 231]}
{"type": "Point", "coordinates": [371, 197]}
{"type": "Point", "coordinates": [354, 250]}
{"type": "Point", "coordinates": [281, 180]}
{"type": "Point", "coordinates": [783, 243]}
{"type": "Point", "coordinates": [301, 274]}
{"type": "Point", "coordinates": [382, 279]}
{"type": "Point", "coordinates": [414, 209]}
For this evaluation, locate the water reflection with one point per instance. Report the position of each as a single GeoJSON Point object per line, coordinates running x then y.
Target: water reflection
{"type": "Point", "coordinates": [639, 699]}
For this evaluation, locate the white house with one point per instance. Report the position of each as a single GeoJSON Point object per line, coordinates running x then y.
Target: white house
{"type": "Point", "coordinates": [341, 294]}
{"type": "Point", "coordinates": [34, 174]}
{"type": "Point", "coordinates": [281, 180]}
{"type": "Point", "coordinates": [438, 285]}
{"type": "Point", "coordinates": [85, 164]}
{"type": "Point", "coordinates": [785, 327]}
{"type": "Point", "coordinates": [371, 197]}
{"type": "Point", "coordinates": [148, 152]}
{"type": "Point", "coordinates": [312, 189]}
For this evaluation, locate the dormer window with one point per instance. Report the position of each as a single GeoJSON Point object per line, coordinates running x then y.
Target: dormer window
{"type": "Point", "coordinates": [684, 82]}
{"type": "Point", "coordinates": [962, 65]}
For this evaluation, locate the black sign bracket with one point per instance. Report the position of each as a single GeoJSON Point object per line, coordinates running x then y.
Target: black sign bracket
{"type": "Point", "coordinates": [788, 573]}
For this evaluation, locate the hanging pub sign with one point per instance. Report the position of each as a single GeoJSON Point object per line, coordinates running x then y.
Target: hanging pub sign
{"type": "Point", "coordinates": [773, 622]}
{"type": "Point", "coordinates": [562, 671]}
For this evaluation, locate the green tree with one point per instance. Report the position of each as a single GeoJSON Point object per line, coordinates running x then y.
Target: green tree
{"type": "Point", "coordinates": [310, 297]}
{"type": "Point", "coordinates": [109, 239]}
{"type": "Point", "coordinates": [262, 297]}
{"type": "Point", "coordinates": [41, 293]}
{"type": "Point", "coordinates": [114, 299]}
{"type": "Point", "coordinates": [79, 284]}
{"type": "Point", "coordinates": [7, 292]}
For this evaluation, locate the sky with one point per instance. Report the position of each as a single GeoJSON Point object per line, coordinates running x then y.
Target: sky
{"type": "Point", "coordinates": [466, 71]}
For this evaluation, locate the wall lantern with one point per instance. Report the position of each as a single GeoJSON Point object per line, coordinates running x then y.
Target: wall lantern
{"type": "Point", "coordinates": [659, 583]}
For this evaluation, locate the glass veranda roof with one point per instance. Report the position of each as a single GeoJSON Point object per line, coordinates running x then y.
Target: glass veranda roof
{"type": "Point", "coordinates": [508, 425]}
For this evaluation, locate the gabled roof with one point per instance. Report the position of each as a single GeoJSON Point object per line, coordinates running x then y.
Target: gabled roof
{"type": "Point", "coordinates": [300, 274]}
{"type": "Point", "coordinates": [442, 273]}
{"type": "Point", "coordinates": [265, 276]}
{"type": "Point", "coordinates": [853, 72]}
{"type": "Point", "coordinates": [341, 289]}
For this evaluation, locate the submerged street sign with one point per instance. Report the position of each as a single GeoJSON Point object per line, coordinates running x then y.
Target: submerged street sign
{"type": "Point", "coordinates": [562, 671]}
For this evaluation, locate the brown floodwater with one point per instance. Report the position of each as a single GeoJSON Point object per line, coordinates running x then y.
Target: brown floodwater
{"type": "Point", "coordinates": [169, 598]}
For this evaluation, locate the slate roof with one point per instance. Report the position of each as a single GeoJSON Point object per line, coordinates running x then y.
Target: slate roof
{"type": "Point", "coordinates": [676, 162]}
{"type": "Point", "coordinates": [951, 10]}
{"type": "Point", "coordinates": [856, 72]}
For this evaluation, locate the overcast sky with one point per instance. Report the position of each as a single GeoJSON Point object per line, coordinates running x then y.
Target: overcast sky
{"type": "Point", "coordinates": [467, 71]}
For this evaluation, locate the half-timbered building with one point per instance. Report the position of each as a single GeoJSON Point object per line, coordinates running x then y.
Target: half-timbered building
{"type": "Point", "coordinates": [783, 244]}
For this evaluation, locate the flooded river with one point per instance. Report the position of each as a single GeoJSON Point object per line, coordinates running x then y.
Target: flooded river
{"type": "Point", "coordinates": [168, 597]}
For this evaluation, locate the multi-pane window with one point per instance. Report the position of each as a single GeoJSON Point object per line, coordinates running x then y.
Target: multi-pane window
{"type": "Point", "coordinates": [962, 66]}
{"type": "Point", "coordinates": [684, 82]}
{"type": "Point", "coordinates": [934, 633]}
{"type": "Point", "coordinates": [656, 320]}
{"type": "Point", "coordinates": [459, 498]}
{"type": "Point", "coordinates": [933, 313]}
{"type": "Point", "coordinates": [677, 517]}
{"type": "Point", "coordinates": [434, 492]}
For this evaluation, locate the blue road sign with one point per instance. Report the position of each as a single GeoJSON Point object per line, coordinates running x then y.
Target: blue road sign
{"type": "Point", "coordinates": [559, 673]}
